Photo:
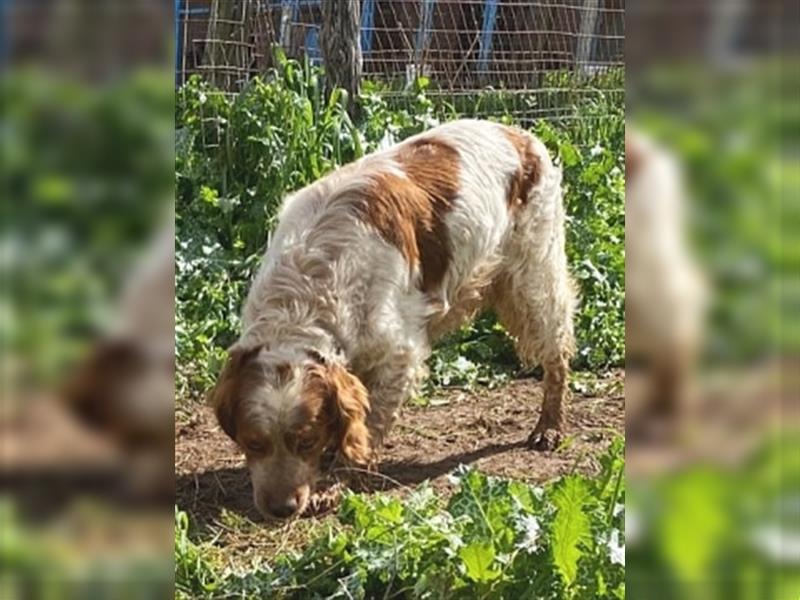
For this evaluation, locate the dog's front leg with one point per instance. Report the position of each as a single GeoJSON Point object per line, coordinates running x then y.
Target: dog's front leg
{"type": "Point", "coordinates": [390, 387]}
{"type": "Point", "coordinates": [386, 405]}
{"type": "Point", "coordinates": [389, 383]}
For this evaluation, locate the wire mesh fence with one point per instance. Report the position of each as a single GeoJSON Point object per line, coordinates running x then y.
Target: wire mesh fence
{"type": "Point", "coordinates": [542, 56]}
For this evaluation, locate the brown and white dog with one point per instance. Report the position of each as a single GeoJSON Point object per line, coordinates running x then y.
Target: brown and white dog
{"type": "Point", "coordinates": [367, 267]}
{"type": "Point", "coordinates": [666, 292]}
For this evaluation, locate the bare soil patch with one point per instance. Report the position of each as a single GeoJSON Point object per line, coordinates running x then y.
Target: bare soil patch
{"type": "Point", "coordinates": [486, 429]}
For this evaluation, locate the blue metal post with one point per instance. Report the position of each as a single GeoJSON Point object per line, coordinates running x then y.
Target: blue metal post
{"type": "Point", "coordinates": [5, 44]}
{"type": "Point", "coordinates": [489, 19]}
{"type": "Point", "coordinates": [290, 12]}
{"type": "Point", "coordinates": [311, 44]}
{"type": "Point", "coordinates": [367, 25]}
{"type": "Point", "coordinates": [178, 40]}
{"type": "Point", "coordinates": [423, 32]}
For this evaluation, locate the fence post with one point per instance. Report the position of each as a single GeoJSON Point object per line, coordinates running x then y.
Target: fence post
{"type": "Point", "coordinates": [178, 42]}
{"type": "Point", "coordinates": [367, 25]}
{"type": "Point", "coordinates": [5, 43]}
{"type": "Point", "coordinates": [289, 12]}
{"type": "Point", "coordinates": [726, 23]}
{"type": "Point", "coordinates": [341, 47]}
{"type": "Point", "coordinates": [583, 54]}
{"type": "Point", "coordinates": [218, 33]}
{"type": "Point", "coordinates": [423, 33]}
{"type": "Point", "coordinates": [487, 31]}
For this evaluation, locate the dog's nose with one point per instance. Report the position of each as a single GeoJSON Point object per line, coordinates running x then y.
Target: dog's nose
{"type": "Point", "coordinates": [284, 509]}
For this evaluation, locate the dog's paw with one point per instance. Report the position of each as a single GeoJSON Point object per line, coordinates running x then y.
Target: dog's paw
{"type": "Point", "coordinates": [544, 439]}
{"type": "Point", "coordinates": [324, 501]}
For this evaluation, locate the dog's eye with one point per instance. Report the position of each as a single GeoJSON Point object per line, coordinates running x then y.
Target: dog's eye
{"type": "Point", "coordinates": [306, 444]}
{"type": "Point", "coordinates": [256, 446]}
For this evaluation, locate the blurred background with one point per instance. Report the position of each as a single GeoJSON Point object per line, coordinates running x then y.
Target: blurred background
{"type": "Point", "coordinates": [712, 190]}
{"type": "Point", "coordinates": [87, 298]}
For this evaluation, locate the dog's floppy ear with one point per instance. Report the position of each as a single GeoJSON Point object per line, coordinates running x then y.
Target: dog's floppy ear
{"type": "Point", "coordinates": [94, 393]}
{"type": "Point", "coordinates": [350, 403]}
{"type": "Point", "coordinates": [227, 394]}
{"type": "Point", "coordinates": [633, 157]}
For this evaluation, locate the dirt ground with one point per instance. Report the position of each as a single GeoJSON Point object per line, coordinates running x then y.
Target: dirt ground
{"type": "Point", "coordinates": [483, 428]}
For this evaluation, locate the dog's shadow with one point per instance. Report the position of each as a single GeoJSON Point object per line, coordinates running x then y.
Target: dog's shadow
{"type": "Point", "coordinates": [401, 473]}
{"type": "Point", "coordinates": [205, 495]}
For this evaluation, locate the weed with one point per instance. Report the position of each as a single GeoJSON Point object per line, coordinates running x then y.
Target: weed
{"type": "Point", "coordinates": [493, 538]}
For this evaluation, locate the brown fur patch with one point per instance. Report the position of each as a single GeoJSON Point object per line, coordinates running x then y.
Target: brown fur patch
{"type": "Point", "coordinates": [409, 213]}
{"type": "Point", "coordinates": [352, 406]}
{"type": "Point", "coordinates": [633, 158]}
{"type": "Point", "coordinates": [334, 409]}
{"type": "Point", "coordinates": [283, 372]}
{"type": "Point", "coordinates": [95, 392]}
{"type": "Point", "coordinates": [529, 171]}
{"type": "Point", "coordinates": [316, 396]}
{"type": "Point", "coordinates": [237, 378]}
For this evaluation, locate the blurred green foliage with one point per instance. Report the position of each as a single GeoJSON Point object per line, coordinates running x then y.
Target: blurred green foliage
{"type": "Point", "coordinates": [238, 156]}
{"type": "Point", "coordinates": [737, 136]}
{"type": "Point", "coordinates": [712, 532]}
{"type": "Point", "coordinates": [731, 530]}
{"type": "Point", "coordinates": [62, 560]}
{"type": "Point", "coordinates": [87, 173]}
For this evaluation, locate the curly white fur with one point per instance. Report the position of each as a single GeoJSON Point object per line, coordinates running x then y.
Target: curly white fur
{"type": "Point", "coordinates": [330, 282]}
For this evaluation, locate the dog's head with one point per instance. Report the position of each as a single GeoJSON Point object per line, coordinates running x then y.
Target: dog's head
{"type": "Point", "coordinates": [124, 390]}
{"type": "Point", "coordinates": [284, 410]}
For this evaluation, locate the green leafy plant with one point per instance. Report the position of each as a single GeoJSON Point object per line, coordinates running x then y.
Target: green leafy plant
{"type": "Point", "coordinates": [493, 538]}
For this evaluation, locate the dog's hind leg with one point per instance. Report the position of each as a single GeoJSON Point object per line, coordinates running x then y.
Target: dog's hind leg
{"type": "Point", "coordinates": [534, 298]}
{"type": "Point", "coordinates": [535, 306]}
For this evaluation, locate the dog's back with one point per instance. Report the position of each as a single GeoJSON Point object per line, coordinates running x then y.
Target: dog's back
{"type": "Point", "coordinates": [434, 215]}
